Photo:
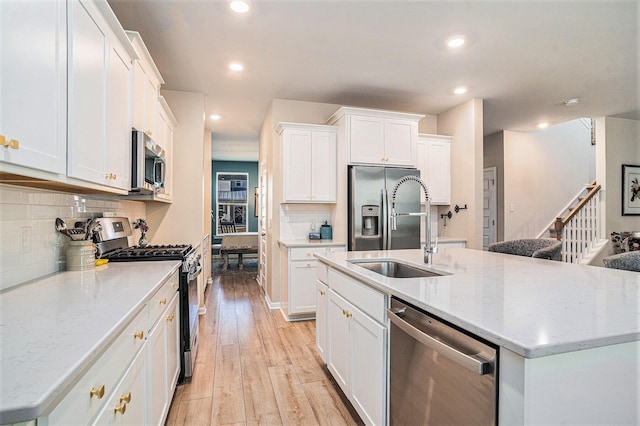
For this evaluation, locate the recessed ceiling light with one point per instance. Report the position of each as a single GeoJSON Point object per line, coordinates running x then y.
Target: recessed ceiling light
{"type": "Point", "coordinates": [572, 102]}
{"type": "Point", "coordinates": [236, 66]}
{"type": "Point", "coordinates": [456, 41]}
{"type": "Point", "coordinates": [215, 117]}
{"type": "Point", "coordinates": [460, 90]}
{"type": "Point", "coordinates": [543, 125]}
{"type": "Point", "coordinates": [239, 6]}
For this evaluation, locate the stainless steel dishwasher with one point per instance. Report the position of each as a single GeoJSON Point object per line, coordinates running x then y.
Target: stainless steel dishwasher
{"type": "Point", "coordinates": [438, 374]}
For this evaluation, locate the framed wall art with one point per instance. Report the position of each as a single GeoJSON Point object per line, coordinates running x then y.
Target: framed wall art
{"type": "Point", "coordinates": [630, 190]}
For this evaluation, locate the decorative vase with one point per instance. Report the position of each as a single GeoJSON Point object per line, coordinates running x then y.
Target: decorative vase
{"type": "Point", "coordinates": [142, 242]}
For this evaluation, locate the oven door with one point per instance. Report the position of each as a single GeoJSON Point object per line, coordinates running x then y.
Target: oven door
{"type": "Point", "coordinates": [189, 322]}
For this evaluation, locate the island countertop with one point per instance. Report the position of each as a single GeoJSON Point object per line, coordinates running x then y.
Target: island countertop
{"type": "Point", "coordinates": [52, 328]}
{"type": "Point", "coordinates": [533, 307]}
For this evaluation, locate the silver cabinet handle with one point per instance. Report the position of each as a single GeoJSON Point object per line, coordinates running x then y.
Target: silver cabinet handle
{"type": "Point", "coordinates": [470, 362]}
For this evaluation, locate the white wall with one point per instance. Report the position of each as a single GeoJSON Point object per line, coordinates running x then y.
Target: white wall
{"type": "Point", "coordinates": [32, 212]}
{"type": "Point", "coordinates": [618, 143]}
{"type": "Point", "coordinates": [543, 171]}
{"type": "Point", "coordinates": [464, 123]}
{"type": "Point", "coordinates": [182, 221]}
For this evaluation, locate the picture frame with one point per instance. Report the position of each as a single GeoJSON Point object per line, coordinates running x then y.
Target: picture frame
{"type": "Point", "coordinates": [630, 190]}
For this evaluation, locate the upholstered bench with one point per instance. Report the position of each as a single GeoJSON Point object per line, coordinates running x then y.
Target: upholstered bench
{"type": "Point", "coordinates": [239, 244]}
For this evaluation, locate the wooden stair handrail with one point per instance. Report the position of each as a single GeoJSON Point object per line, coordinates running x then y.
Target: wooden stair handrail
{"type": "Point", "coordinates": [561, 222]}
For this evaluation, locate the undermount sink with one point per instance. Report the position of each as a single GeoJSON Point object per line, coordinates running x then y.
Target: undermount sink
{"type": "Point", "coordinates": [394, 269]}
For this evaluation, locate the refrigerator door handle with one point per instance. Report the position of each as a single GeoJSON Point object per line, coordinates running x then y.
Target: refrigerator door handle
{"type": "Point", "coordinates": [386, 230]}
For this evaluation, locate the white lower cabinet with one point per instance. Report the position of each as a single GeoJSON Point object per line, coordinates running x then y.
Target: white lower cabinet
{"type": "Point", "coordinates": [163, 366]}
{"type": "Point", "coordinates": [133, 381]}
{"type": "Point", "coordinates": [299, 301]}
{"type": "Point", "coordinates": [355, 352]}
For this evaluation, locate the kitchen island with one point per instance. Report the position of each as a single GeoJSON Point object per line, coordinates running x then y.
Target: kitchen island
{"type": "Point", "coordinates": [55, 330]}
{"type": "Point", "coordinates": [568, 335]}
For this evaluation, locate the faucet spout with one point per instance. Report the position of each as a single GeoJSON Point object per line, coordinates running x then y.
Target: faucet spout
{"type": "Point", "coordinates": [429, 250]}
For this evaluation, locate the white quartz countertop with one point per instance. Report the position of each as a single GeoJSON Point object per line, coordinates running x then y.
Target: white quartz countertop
{"type": "Point", "coordinates": [51, 329]}
{"type": "Point", "coordinates": [311, 243]}
{"type": "Point", "coordinates": [533, 307]}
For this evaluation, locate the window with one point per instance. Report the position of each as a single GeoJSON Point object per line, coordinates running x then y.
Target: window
{"type": "Point", "coordinates": [231, 200]}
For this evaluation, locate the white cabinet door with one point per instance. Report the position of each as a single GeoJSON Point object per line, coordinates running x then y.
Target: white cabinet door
{"type": "Point", "coordinates": [321, 319]}
{"type": "Point", "coordinates": [157, 383]}
{"type": "Point", "coordinates": [165, 125]}
{"type": "Point", "coordinates": [324, 167]}
{"type": "Point", "coordinates": [338, 356]}
{"type": "Point", "coordinates": [368, 378]}
{"type": "Point", "coordinates": [302, 295]}
{"type": "Point", "coordinates": [151, 107]}
{"type": "Point", "coordinates": [173, 347]}
{"type": "Point", "coordinates": [99, 125]}
{"type": "Point", "coordinates": [118, 130]}
{"type": "Point", "coordinates": [400, 138]}
{"type": "Point", "coordinates": [33, 84]}
{"type": "Point", "coordinates": [366, 140]}
{"type": "Point", "coordinates": [138, 96]}
{"type": "Point", "coordinates": [439, 166]}
{"type": "Point", "coordinates": [127, 405]}
{"type": "Point", "coordinates": [297, 165]}
{"type": "Point", "coordinates": [434, 162]}
{"type": "Point", "coordinates": [88, 59]}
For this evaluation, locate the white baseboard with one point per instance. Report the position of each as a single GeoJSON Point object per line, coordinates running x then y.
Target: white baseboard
{"type": "Point", "coordinates": [270, 304]}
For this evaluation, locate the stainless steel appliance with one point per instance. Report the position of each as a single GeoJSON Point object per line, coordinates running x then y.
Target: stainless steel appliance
{"type": "Point", "coordinates": [113, 243]}
{"type": "Point", "coordinates": [148, 165]}
{"type": "Point", "coordinates": [438, 374]}
{"type": "Point", "coordinates": [369, 209]}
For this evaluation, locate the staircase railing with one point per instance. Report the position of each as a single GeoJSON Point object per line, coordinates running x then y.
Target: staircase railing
{"type": "Point", "coordinates": [579, 231]}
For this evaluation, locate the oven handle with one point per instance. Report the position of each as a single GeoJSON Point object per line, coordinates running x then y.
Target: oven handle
{"type": "Point", "coordinates": [470, 362]}
{"type": "Point", "coordinates": [195, 272]}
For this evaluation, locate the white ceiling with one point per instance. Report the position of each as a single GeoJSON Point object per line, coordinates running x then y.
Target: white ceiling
{"type": "Point", "coordinates": [524, 58]}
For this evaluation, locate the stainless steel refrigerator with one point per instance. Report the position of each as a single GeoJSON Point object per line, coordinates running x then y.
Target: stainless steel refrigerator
{"type": "Point", "coordinates": [369, 201]}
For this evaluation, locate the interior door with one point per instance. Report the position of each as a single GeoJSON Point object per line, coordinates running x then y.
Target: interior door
{"type": "Point", "coordinates": [489, 207]}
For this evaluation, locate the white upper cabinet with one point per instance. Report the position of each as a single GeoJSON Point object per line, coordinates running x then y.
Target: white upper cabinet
{"type": "Point", "coordinates": [434, 163]}
{"type": "Point", "coordinates": [33, 86]}
{"type": "Point", "coordinates": [375, 137]}
{"type": "Point", "coordinates": [165, 125]}
{"type": "Point", "coordinates": [146, 88]}
{"type": "Point", "coordinates": [99, 82]}
{"type": "Point", "coordinates": [309, 162]}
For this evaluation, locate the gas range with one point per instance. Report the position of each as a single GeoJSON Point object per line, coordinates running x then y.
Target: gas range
{"type": "Point", "coordinates": [153, 252]}
{"type": "Point", "coordinates": [113, 244]}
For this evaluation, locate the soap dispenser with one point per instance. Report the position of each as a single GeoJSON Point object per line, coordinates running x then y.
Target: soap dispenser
{"type": "Point", "coordinates": [326, 232]}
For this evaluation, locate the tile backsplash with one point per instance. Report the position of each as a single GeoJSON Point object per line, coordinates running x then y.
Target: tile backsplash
{"type": "Point", "coordinates": [296, 220]}
{"type": "Point", "coordinates": [30, 246]}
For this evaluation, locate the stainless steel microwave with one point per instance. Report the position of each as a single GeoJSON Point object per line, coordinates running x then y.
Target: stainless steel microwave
{"type": "Point", "coordinates": [149, 166]}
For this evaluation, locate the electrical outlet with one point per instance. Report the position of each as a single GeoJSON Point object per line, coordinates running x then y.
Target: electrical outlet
{"type": "Point", "coordinates": [25, 240]}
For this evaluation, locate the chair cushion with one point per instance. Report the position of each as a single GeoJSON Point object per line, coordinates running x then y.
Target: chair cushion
{"type": "Point", "coordinates": [542, 248]}
{"type": "Point", "coordinates": [629, 261]}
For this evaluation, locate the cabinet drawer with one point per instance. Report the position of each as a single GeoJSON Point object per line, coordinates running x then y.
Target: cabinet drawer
{"type": "Point", "coordinates": [161, 299]}
{"type": "Point", "coordinates": [127, 404]}
{"type": "Point", "coordinates": [300, 253]}
{"type": "Point", "coordinates": [79, 406]}
{"type": "Point", "coordinates": [304, 253]}
{"type": "Point", "coordinates": [370, 301]}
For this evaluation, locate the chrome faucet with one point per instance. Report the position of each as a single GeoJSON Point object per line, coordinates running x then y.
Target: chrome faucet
{"type": "Point", "coordinates": [429, 250]}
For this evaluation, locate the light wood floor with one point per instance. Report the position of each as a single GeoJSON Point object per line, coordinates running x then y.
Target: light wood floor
{"type": "Point", "coordinates": [254, 368]}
